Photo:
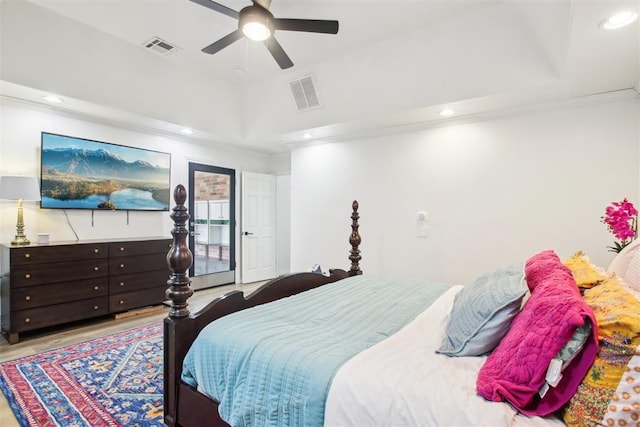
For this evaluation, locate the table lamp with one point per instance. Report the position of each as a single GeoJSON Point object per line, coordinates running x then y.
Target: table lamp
{"type": "Point", "coordinates": [19, 188]}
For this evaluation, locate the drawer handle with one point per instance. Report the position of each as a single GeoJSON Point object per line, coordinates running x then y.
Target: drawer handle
{"type": "Point", "coordinates": [96, 268]}
{"type": "Point", "coordinates": [121, 301]}
{"type": "Point", "coordinates": [95, 307]}
{"type": "Point", "coordinates": [121, 265]}
{"type": "Point", "coordinates": [27, 276]}
{"type": "Point", "coordinates": [95, 288]}
{"type": "Point", "coordinates": [96, 250]}
{"type": "Point", "coordinates": [121, 249]}
{"type": "Point", "coordinates": [27, 298]}
{"type": "Point", "coordinates": [121, 283]}
{"type": "Point", "coordinates": [27, 255]}
{"type": "Point", "coordinates": [27, 320]}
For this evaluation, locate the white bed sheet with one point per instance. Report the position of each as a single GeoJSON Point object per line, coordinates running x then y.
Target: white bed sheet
{"type": "Point", "coordinates": [401, 381]}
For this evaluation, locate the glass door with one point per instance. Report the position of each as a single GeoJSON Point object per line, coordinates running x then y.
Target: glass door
{"type": "Point", "coordinates": [212, 225]}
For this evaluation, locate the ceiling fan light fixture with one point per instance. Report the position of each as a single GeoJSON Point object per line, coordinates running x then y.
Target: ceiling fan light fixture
{"type": "Point", "coordinates": [256, 23]}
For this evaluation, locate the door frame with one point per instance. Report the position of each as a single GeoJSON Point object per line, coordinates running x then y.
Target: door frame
{"type": "Point", "coordinates": [224, 277]}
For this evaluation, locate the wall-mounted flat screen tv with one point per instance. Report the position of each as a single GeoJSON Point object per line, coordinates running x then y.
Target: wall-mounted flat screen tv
{"type": "Point", "coordinates": [79, 173]}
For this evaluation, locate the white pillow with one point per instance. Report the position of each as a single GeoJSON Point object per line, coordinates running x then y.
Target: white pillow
{"type": "Point", "coordinates": [627, 265]}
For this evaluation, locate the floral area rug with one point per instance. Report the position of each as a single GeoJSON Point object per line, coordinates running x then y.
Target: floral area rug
{"type": "Point", "coordinates": [111, 381]}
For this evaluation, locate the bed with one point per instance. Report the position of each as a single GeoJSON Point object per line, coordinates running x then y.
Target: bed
{"type": "Point", "coordinates": [544, 342]}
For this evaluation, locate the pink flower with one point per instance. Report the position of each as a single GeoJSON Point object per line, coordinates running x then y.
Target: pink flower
{"type": "Point", "coordinates": [621, 219]}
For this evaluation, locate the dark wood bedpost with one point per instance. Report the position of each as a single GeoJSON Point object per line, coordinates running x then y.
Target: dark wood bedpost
{"type": "Point", "coordinates": [355, 241]}
{"type": "Point", "coordinates": [179, 258]}
{"type": "Point", "coordinates": [178, 323]}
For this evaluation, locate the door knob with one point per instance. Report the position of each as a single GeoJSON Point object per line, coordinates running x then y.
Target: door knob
{"type": "Point", "coordinates": [246, 233]}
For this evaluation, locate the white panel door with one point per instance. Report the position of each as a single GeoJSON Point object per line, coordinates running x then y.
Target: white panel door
{"type": "Point", "coordinates": [258, 227]}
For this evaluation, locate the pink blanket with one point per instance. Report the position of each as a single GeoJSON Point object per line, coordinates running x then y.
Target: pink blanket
{"type": "Point", "coordinates": [516, 369]}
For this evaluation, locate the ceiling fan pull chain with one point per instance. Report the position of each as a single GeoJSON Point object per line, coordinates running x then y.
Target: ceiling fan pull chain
{"type": "Point", "coordinates": [246, 55]}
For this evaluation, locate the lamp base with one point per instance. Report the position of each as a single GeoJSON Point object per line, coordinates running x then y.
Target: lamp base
{"type": "Point", "coordinates": [20, 240]}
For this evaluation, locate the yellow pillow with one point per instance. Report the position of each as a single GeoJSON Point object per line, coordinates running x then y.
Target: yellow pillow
{"type": "Point", "coordinates": [610, 392]}
{"type": "Point", "coordinates": [584, 272]}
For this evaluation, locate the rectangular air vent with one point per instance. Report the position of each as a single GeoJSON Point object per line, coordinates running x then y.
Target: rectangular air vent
{"type": "Point", "coordinates": [304, 93]}
{"type": "Point", "coordinates": [158, 45]}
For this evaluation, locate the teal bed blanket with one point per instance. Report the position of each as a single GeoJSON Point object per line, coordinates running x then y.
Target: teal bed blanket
{"type": "Point", "coordinates": [272, 365]}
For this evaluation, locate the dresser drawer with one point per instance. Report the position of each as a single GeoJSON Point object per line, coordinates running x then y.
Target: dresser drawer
{"type": "Point", "coordinates": [137, 281]}
{"type": "Point", "coordinates": [123, 249]}
{"type": "Point", "coordinates": [145, 297]}
{"type": "Point", "coordinates": [44, 254]}
{"type": "Point", "coordinates": [137, 264]}
{"type": "Point", "coordinates": [58, 293]}
{"type": "Point", "coordinates": [25, 320]}
{"type": "Point", "coordinates": [37, 274]}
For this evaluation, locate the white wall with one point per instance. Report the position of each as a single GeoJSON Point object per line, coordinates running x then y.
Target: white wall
{"type": "Point", "coordinates": [497, 191]}
{"type": "Point", "coordinates": [20, 154]}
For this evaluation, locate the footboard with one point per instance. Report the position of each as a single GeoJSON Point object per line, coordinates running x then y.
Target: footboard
{"type": "Point", "coordinates": [183, 405]}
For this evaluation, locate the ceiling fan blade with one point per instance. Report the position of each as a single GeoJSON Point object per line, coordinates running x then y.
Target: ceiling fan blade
{"type": "Point", "coordinates": [223, 42]}
{"type": "Point", "coordinates": [306, 25]}
{"type": "Point", "coordinates": [218, 8]}
{"type": "Point", "coordinates": [263, 3]}
{"type": "Point", "coordinates": [278, 53]}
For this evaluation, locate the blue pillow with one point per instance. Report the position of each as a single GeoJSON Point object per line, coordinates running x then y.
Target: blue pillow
{"type": "Point", "coordinates": [483, 311]}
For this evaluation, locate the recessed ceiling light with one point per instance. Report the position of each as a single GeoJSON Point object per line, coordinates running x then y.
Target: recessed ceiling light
{"type": "Point", "coordinates": [52, 99]}
{"type": "Point", "coordinates": [447, 112]}
{"type": "Point", "coordinates": [307, 135]}
{"type": "Point", "coordinates": [187, 131]}
{"type": "Point", "coordinates": [618, 20]}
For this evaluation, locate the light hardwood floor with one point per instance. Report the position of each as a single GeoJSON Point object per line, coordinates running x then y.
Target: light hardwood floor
{"type": "Point", "coordinates": [38, 342]}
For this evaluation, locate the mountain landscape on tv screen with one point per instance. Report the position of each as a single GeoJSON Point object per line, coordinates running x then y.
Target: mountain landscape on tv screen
{"type": "Point", "coordinates": [98, 179]}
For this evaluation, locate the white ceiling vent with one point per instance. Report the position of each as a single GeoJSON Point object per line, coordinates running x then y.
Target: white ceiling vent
{"type": "Point", "coordinates": [304, 93]}
{"type": "Point", "coordinates": [158, 45]}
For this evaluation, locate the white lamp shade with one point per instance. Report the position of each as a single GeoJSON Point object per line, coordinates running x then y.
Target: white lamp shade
{"type": "Point", "coordinates": [19, 187]}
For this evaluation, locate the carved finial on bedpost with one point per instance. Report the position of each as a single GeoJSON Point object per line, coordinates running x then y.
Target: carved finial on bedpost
{"type": "Point", "coordinates": [179, 257]}
{"type": "Point", "coordinates": [355, 241]}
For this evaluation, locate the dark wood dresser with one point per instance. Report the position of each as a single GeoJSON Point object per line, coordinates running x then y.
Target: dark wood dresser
{"type": "Point", "coordinates": [46, 285]}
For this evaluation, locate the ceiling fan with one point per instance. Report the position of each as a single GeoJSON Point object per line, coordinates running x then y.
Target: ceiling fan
{"type": "Point", "coordinates": [257, 23]}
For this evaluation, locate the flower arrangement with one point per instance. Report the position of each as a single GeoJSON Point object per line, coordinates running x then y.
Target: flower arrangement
{"type": "Point", "coordinates": [621, 219]}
